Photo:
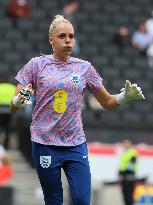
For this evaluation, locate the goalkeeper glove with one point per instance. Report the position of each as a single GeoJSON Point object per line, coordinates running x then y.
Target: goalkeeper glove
{"type": "Point", "coordinates": [23, 98]}
{"type": "Point", "coordinates": [130, 92]}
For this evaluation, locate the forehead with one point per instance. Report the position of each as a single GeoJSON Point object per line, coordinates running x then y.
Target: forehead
{"type": "Point", "coordinates": [64, 27]}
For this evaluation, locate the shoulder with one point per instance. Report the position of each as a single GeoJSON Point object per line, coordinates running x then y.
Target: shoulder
{"type": "Point", "coordinates": [40, 58]}
{"type": "Point", "coordinates": [133, 152]}
{"type": "Point", "coordinates": [40, 61]}
{"type": "Point", "coordinates": [79, 61]}
{"type": "Point", "coordinates": [149, 21]}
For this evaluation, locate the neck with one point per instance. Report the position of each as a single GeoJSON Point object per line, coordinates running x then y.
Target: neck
{"type": "Point", "coordinates": [60, 58]}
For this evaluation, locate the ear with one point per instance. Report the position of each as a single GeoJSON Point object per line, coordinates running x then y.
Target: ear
{"type": "Point", "coordinates": [50, 41]}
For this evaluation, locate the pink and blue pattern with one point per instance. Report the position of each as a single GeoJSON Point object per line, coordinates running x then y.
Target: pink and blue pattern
{"type": "Point", "coordinates": [58, 89]}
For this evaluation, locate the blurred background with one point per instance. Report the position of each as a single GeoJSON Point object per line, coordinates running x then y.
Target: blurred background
{"type": "Point", "coordinates": [117, 38]}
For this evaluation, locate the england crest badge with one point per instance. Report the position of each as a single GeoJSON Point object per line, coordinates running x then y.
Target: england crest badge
{"type": "Point", "coordinates": [75, 79]}
{"type": "Point", "coordinates": [45, 161]}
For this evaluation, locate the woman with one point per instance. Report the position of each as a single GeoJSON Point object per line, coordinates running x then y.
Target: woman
{"type": "Point", "coordinates": [58, 139]}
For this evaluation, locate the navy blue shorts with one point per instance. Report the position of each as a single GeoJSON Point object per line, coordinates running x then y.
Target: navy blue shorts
{"type": "Point", "coordinates": [49, 160]}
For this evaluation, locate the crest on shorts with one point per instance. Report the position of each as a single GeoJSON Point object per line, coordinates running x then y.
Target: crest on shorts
{"type": "Point", "coordinates": [75, 79]}
{"type": "Point", "coordinates": [45, 161]}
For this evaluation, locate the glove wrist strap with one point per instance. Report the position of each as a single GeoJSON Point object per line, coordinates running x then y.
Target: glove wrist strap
{"type": "Point", "coordinates": [121, 98]}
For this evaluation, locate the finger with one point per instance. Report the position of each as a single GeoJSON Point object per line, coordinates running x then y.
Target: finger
{"type": "Point", "coordinates": [138, 88]}
{"type": "Point", "coordinates": [22, 98]}
{"type": "Point", "coordinates": [22, 101]}
{"type": "Point", "coordinates": [28, 86]}
{"type": "Point", "coordinates": [142, 96]}
{"type": "Point", "coordinates": [127, 84]}
{"type": "Point", "coordinates": [134, 86]}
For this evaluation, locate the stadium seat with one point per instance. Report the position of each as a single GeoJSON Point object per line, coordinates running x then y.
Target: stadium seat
{"type": "Point", "coordinates": [132, 118]}
{"type": "Point", "coordinates": [35, 36]}
{"type": "Point", "coordinates": [129, 51]}
{"type": "Point", "coordinates": [132, 9]}
{"type": "Point", "coordinates": [148, 74]}
{"type": "Point", "coordinates": [43, 25]}
{"type": "Point", "coordinates": [100, 40]}
{"type": "Point", "coordinates": [37, 14]}
{"type": "Point", "coordinates": [143, 107]}
{"type": "Point", "coordinates": [121, 19]}
{"type": "Point", "coordinates": [26, 25]}
{"type": "Point", "coordinates": [101, 61]}
{"type": "Point", "coordinates": [145, 84]}
{"type": "Point", "coordinates": [90, 50]}
{"type": "Point", "coordinates": [49, 5]}
{"type": "Point", "coordinates": [13, 57]}
{"type": "Point", "coordinates": [81, 17]}
{"type": "Point", "coordinates": [121, 62]}
{"type": "Point", "coordinates": [23, 47]}
{"type": "Point", "coordinates": [90, 29]}
{"type": "Point", "coordinates": [149, 119]}
{"type": "Point", "coordinates": [109, 118]}
{"type": "Point", "coordinates": [149, 95]}
{"type": "Point", "coordinates": [111, 8]}
{"type": "Point", "coordinates": [118, 84]}
{"type": "Point", "coordinates": [138, 19]}
{"type": "Point", "coordinates": [5, 24]}
{"type": "Point", "coordinates": [110, 73]}
{"type": "Point", "coordinates": [90, 6]}
{"type": "Point", "coordinates": [110, 50]}
{"type": "Point", "coordinates": [13, 35]}
{"type": "Point", "coordinates": [108, 29]}
{"type": "Point", "coordinates": [141, 63]}
{"type": "Point", "coordinates": [5, 46]}
{"type": "Point", "coordinates": [132, 74]}
{"type": "Point", "coordinates": [4, 68]}
{"type": "Point", "coordinates": [101, 19]}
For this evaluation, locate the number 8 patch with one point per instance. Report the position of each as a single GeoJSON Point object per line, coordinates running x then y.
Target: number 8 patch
{"type": "Point", "coordinates": [60, 101]}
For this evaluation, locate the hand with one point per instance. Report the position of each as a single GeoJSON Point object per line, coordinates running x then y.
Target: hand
{"type": "Point", "coordinates": [132, 92]}
{"type": "Point", "coordinates": [25, 94]}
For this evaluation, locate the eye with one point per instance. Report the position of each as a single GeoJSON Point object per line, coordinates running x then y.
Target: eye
{"type": "Point", "coordinates": [62, 35]}
{"type": "Point", "coordinates": [71, 36]}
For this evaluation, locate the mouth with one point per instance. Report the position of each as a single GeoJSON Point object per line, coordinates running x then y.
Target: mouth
{"type": "Point", "coordinates": [68, 48]}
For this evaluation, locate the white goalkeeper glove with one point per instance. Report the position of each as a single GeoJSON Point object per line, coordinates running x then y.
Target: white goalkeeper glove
{"type": "Point", "coordinates": [23, 98]}
{"type": "Point", "coordinates": [130, 92]}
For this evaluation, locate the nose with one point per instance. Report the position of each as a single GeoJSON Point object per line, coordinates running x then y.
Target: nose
{"type": "Point", "coordinates": [67, 40]}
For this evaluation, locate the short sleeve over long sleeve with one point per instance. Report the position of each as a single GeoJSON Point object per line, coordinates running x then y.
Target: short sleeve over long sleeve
{"type": "Point", "coordinates": [93, 79]}
{"type": "Point", "coordinates": [27, 74]}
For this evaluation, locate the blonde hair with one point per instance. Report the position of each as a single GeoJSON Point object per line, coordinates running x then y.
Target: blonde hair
{"type": "Point", "coordinates": [57, 19]}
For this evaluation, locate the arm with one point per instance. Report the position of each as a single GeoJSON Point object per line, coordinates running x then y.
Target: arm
{"type": "Point", "coordinates": [109, 102]}
{"type": "Point", "coordinates": [106, 100]}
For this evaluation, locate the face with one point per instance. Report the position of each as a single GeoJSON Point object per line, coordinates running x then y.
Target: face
{"type": "Point", "coordinates": [127, 144]}
{"type": "Point", "coordinates": [74, 7]}
{"type": "Point", "coordinates": [142, 28]}
{"type": "Point", "coordinates": [62, 40]}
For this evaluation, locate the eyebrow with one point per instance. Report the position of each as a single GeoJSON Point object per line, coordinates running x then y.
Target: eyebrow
{"type": "Point", "coordinates": [65, 33]}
